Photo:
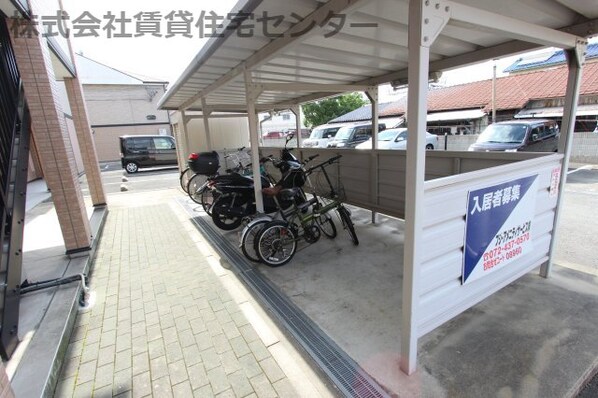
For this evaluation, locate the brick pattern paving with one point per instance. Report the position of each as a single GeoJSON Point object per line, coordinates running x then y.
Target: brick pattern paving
{"type": "Point", "coordinates": [163, 325]}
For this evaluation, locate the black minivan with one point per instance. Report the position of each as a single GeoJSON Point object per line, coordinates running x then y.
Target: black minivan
{"type": "Point", "coordinates": [352, 135]}
{"type": "Point", "coordinates": [139, 151]}
{"type": "Point", "coordinates": [535, 135]}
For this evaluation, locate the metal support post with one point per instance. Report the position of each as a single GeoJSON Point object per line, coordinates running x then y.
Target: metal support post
{"type": "Point", "coordinates": [183, 130]}
{"type": "Point", "coordinates": [575, 59]}
{"type": "Point", "coordinates": [206, 111]}
{"type": "Point", "coordinates": [372, 94]}
{"type": "Point", "coordinates": [494, 92]}
{"type": "Point", "coordinates": [426, 21]}
{"type": "Point", "coordinates": [252, 94]}
{"type": "Point", "coordinates": [297, 111]}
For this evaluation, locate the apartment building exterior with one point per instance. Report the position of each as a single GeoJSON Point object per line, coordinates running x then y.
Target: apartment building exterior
{"type": "Point", "coordinates": [39, 89]}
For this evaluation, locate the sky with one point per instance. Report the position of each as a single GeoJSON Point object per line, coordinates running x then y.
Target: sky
{"type": "Point", "coordinates": [157, 57]}
{"type": "Point", "coordinates": [166, 58]}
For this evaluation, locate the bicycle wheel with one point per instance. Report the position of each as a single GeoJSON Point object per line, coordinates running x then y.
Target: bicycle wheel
{"type": "Point", "coordinates": [184, 178]}
{"type": "Point", "coordinates": [326, 224]}
{"type": "Point", "coordinates": [345, 217]}
{"type": "Point", "coordinates": [248, 237]}
{"type": "Point", "coordinates": [194, 187]}
{"type": "Point", "coordinates": [207, 198]}
{"type": "Point", "coordinates": [221, 220]}
{"type": "Point", "coordinates": [276, 243]}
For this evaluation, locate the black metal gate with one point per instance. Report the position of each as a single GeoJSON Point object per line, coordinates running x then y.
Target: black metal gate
{"type": "Point", "coordinates": [14, 160]}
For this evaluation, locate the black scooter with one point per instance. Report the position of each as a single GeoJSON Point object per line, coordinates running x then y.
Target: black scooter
{"type": "Point", "coordinates": [236, 196]}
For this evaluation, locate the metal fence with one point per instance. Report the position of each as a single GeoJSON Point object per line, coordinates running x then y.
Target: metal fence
{"type": "Point", "coordinates": [14, 155]}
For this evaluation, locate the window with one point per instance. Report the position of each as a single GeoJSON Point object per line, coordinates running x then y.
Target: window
{"type": "Point", "coordinates": [363, 132]}
{"type": "Point", "coordinates": [286, 116]}
{"type": "Point", "coordinates": [139, 144]}
{"type": "Point", "coordinates": [163, 143]}
{"type": "Point", "coordinates": [537, 132]}
{"type": "Point", "coordinates": [330, 132]}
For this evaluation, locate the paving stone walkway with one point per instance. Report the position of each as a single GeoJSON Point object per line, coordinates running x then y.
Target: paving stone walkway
{"type": "Point", "coordinates": [170, 320]}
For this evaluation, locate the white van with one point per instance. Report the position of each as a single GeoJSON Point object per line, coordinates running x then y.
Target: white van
{"type": "Point", "coordinates": [320, 135]}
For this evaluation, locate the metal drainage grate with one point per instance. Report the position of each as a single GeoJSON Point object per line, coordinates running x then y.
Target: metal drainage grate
{"type": "Point", "coordinates": [343, 371]}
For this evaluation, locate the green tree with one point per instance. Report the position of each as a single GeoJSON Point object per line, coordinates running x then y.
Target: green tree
{"type": "Point", "coordinates": [321, 112]}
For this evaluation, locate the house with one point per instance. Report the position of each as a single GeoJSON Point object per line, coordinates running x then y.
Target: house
{"type": "Point", "coordinates": [546, 60]}
{"type": "Point", "coordinates": [389, 118]}
{"type": "Point", "coordinates": [467, 108]}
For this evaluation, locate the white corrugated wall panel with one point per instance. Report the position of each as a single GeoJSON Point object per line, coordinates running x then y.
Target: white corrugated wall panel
{"type": "Point", "coordinates": [442, 296]}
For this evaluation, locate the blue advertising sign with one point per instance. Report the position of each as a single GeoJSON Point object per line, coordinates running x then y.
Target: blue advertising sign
{"type": "Point", "coordinates": [498, 226]}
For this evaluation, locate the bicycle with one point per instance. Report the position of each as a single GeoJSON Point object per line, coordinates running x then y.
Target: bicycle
{"type": "Point", "coordinates": [276, 243]}
{"type": "Point", "coordinates": [253, 227]}
{"type": "Point", "coordinates": [184, 178]}
{"type": "Point", "coordinates": [198, 186]}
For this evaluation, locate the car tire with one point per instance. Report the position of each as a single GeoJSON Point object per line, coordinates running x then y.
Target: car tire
{"type": "Point", "coordinates": [131, 167]}
{"type": "Point", "coordinates": [429, 147]}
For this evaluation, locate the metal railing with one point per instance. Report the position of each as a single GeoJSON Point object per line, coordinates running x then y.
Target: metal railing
{"type": "Point", "coordinates": [14, 155]}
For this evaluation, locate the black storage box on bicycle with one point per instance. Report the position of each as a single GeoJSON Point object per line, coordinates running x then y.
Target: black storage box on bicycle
{"type": "Point", "coordinates": [206, 163]}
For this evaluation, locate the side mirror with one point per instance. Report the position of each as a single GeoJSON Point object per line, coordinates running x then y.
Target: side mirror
{"type": "Point", "coordinates": [399, 139]}
{"type": "Point", "coordinates": [329, 136]}
{"type": "Point", "coordinates": [290, 136]}
{"type": "Point", "coordinates": [535, 137]}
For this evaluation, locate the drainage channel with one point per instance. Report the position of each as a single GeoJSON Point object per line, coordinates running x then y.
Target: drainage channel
{"type": "Point", "coordinates": [342, 371]}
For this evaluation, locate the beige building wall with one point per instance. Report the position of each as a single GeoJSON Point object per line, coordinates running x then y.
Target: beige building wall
{"type": "Point", "coordinates": [226, 133]}
{"type": "Point", "coordinates": [120, 109]}
{"type": "Point", "coordinates": [124, 104]}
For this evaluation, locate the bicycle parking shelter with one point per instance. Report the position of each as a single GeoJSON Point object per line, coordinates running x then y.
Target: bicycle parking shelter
{"type": "Point", "coordinates": [496, 213]}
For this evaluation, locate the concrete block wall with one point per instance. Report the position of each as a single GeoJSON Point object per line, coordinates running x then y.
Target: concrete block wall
{"type": "Point", "coordinates": [584, 150]}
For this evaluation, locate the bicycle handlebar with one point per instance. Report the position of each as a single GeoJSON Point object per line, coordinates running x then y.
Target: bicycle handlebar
{"type": "Point", "coordinates": [310, 158]}
{"type": "Point", "coordinates": [325, 163]}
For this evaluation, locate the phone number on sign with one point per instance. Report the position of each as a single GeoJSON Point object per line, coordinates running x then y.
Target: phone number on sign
{"type": "Point", "coordinates": [507, 251]}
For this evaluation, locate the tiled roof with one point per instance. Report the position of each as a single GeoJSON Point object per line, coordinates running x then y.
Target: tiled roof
{"type": "Point", "coordinates": [363, 113]}
{"type": "Point", "coordinates": [558, 57]}
{"type": "Point", "coordinates": [512, 92]}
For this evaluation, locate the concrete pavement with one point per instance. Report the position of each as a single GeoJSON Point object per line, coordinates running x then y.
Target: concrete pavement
{"type": "Point", "coordinates": [170, 320]}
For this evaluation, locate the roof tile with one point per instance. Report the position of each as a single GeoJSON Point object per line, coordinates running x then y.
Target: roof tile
{"type": "Point", "coordinates": [512, 92]}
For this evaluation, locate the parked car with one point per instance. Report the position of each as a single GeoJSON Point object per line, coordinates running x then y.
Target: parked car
{"type": "Point", "coordinates": [304, 132]}
{"type": "Point", "coordinates": [352, 135]}
{"type": "Point", "coordinates": [273, 134]}
{"type": "Point", "coordinates": [397, 139]}
{"type": "Point", "coordinates": [139, 151]}
{"type": "Point", "coordinates": [535, 135]}
{"type": "Point", "coordinates": [320, 135]}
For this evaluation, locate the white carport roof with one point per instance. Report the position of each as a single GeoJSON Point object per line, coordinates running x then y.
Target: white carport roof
{"type": "Point", "coordinates": [250, 74]}
{"type": "Point", "coordinates": [356, 55]}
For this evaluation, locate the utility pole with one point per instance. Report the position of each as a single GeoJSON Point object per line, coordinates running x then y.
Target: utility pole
{"type": "Point", "coordinates": [494, 92]}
